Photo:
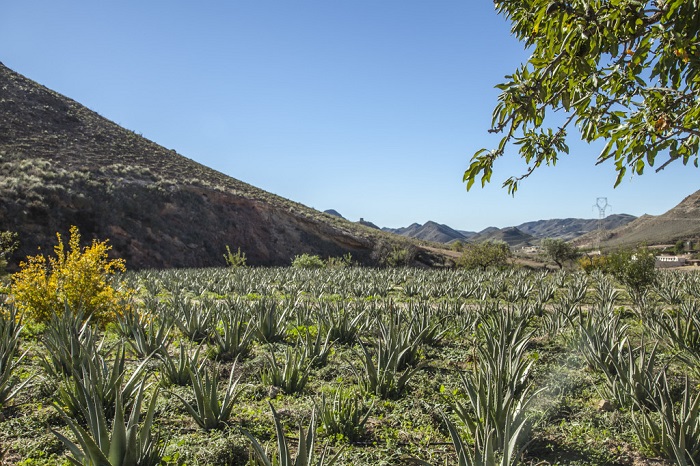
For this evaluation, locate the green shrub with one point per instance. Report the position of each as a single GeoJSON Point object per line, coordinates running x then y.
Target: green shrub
{"type": "Point", "coordinates": [591, 263]}
{"type": "Point", "coordinates": [8, 245]}
{"type": "Point", "coordinates": [484, 255]}
{"type": "Point", "coordinates": [235, 260]}
{"type": "Point", "coordinates": [635, 268]}
{"type": "Point", "coordinates": [394, 255]}
{"type": "Point", "coordinates": [339, 262]}
{"type": "Point", "coordinates": [308, 261]}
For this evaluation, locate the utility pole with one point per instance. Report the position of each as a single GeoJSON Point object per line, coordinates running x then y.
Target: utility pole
{"type": "Point", "coordinates": [602, 204]}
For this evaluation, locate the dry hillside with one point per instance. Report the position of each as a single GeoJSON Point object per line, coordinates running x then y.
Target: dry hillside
{"type": "Point", "coordinates": [680, 223]}
{"type": "Point", "coordinates": [62, 164]}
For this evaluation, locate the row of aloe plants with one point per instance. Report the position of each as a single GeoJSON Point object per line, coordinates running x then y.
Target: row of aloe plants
{"type": "Point", "coordinates": [298, 326]}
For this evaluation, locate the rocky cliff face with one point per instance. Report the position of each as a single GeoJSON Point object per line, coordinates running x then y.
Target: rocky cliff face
{"type": "Point", "coordinates": [62, 164]}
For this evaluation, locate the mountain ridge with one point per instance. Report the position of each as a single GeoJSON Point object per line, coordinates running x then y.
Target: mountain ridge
{"type": "Point", "coordinates": [527, 233]}
{"type": "Point", "coordinates": [682, 222]}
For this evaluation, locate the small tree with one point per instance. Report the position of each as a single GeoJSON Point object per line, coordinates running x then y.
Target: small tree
{"type": "Point", "coordinates": [484, 255]}
{"type": "Point", "coordinates": [636, 269]}
{"type": "Point", "coordinates": [679, 248]}
{"type": "Point", "coordinates": [78, 278]}
{"type": "Point", "coordinates": [559, 251]}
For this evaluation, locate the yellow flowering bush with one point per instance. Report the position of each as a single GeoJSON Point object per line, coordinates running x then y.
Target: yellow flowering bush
{"type": "Point", "coordinates": [78, 278]}
{"type": "Point", "coordinates": [589, 263]}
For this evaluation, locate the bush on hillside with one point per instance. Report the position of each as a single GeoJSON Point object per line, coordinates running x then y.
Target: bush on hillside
{"type": "Point", "coordinates": [308, 261]}
{"type": "Point", "coordinates": [8, 245]}
{"type": "Point", "coordinates": [394, 255]}
{"type": "Point", "coordinates": [78, 278]}
{"type": "Point", "coordinates": [235, 260]}
{"type": "Point", "coordinates": [339, 262]}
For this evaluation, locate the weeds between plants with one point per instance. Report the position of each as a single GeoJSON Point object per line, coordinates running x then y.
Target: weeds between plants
{"type": "Point", "coordinates": [518, 362]}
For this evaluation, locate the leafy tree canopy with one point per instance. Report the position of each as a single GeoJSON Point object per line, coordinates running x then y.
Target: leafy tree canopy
{"type": "Point", "coordinates": [484, 255]}
{"type": "Point", "coordinates": [625, 71]}
{"type": "Point", "coordinates": [559, 251]}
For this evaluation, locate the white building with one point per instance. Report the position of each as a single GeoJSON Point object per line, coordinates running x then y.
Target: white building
{"type": "Point", "coordinates": [670, 261]}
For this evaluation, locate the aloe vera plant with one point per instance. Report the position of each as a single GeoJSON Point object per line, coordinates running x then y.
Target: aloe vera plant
{"type": "Point", "coordinates": [485, 456]}
{"type": "Point", "coordinates": [606, 296]}
{"type": "Point", "coordinates": [344, 415]}
{"type": "Point", "coordinates": [425, 325]}
{"type": "Point", "coordinates": [603, 339]}
{"type": "Point", "coordinates": [291, 376]}
{"type": "Point", "coordinates": [234, 335]}
{"type": "Point", "coordinates": [127, 444]}
{"type": "Point", "coordinates": [194, 319]}
{"type": "Point", "coordinates": [101, 379]}
{"type": "Point", "coordinates": [575, 292]}
{"type": "Point", "coordinates": [545, 291]}
{"type": "Point", "coordinates": [10, 330]}
{"type": "Point", "coordinates": [145, 333]}
{"type": "Point", "coordinates": [385, 377]}
{"type": "Point", "coordinates": [671, 429]}
{"type": "Point", "coordinates": [498, 389]}
{"type": "Point", "coordinates": [671, 288]}
{"type": "Point", "coordinates": [175, 370]}
{"type": "Point", "coordinates": [317, 347]}
{"type": "Point", "coordinates": [69, 341]}
{"type": "Point", "coordinates": [680, 327]}
{"type": "Point", "coordinates": [341, 323]}
{"type": "Point", "coordinates": [269, 324]}
{"type": "Point", "coordinates": [305, 455]}
{"type": "Point", "coordinates": [208, 411]}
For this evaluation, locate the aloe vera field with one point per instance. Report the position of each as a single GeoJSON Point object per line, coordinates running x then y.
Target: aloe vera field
{"type": "Point", "coordinates": [351, 365]}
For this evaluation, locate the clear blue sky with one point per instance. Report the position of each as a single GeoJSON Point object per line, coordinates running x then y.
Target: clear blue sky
{"type": "Point", "coordinates": [369, 107]}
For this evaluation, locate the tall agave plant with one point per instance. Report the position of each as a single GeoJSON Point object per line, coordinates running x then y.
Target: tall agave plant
{"type": "Point", "coordinates": [486, 456]}
{"type": "Point", "coordinates": [208, 411]}
{"type": "Point", "coordinates": [283, 457]}
{"type": "Point", "coordinates": [233, 336]}
{"type": "Point", "coordinates": [144, 333]}
{"type": "Point", "coordinates": [69, 341]}
{"type": "Point", "coordinates": [10, 330]}
{"type": "Point", "coordinates": [671, 429]}
{"type": "Point", "coordinates": [126, 444]}
{"type": "Point", "coordinates": [102, 379]}
{"type": "Point", "coordinates": [292, 375]}
{"type": "Point", "coordinates": [498, 390]}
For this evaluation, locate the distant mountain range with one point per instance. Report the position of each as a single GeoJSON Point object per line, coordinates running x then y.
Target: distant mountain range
{"type": "Point", "coordinates": [680, 223]}
{"type": "Point", "coordinates": [526, 234]}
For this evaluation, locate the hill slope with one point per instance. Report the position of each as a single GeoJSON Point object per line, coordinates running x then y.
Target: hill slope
{"type": "Point", "coordinates": [62, 164]}
{"type": "Point", "coordinates": [569, 228]}
{"type": "Point", "coordinates": [680, 223]}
